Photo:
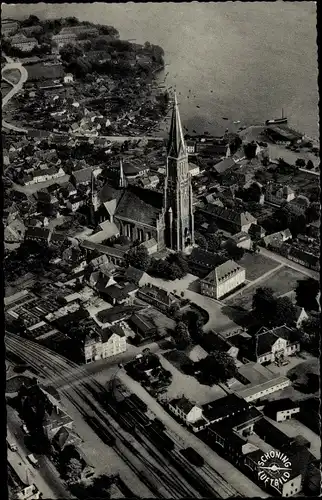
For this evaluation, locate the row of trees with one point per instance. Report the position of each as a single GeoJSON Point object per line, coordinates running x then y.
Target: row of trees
{"type": "Point", "coordinates": [173, 267]}
{"type": "Point", "coordinates": [292, 217]}
{"type": "Point", "coordinates": [272, 311]}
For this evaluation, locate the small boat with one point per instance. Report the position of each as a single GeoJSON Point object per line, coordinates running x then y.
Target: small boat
{"type": "Point", "coordinates": [224, 118]}
{"type": "Point", "coordinates": [236, 122]}
{"type": "Point", "coordinates": [194, 131]}
{"type": "Point", "coordinates": [198, 107]}
{"type": "Point", "coordinates": [277, 121]}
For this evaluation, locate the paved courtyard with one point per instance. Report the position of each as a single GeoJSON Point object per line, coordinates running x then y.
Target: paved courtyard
{"type": "Point", "coordinates": [294, 428]}
{"type": "Point", "coordinates": [185, 385]}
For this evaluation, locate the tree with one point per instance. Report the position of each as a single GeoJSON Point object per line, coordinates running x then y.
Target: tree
{"type": "Point", "coordinates": [214, 242]}
{"type": "Point", "coordinates": [310, 165]}
{"type": "Point", "coordinates": [250, 150]}
{"type": "Point", "coordinates": [181, 336]}
{"type": "Point", "coordinates": [218, 367]}
{"type": "Point", "coordinates": [300, 162]}
{"type": "Point", "coordinates": [233, 251]}
{"type": "Point", "coordinates": [194, 322]}
{"type": "Point", "coordinates": [73, 470]}
{"type": "Point", "coordinates": [201, 241]}
{"type": "Point", "coordinates": [306, 294]}
{"type": "Point", "coordinates": [264, 305]}
{"type": "Point", "coordinates": [174, 311]}
{"type": "Point", "coordinates": [285, 312]}
{"type": "Point", "coordinates": [30, 21]}
{"type": "Point", "coordinates": [313, 212]}
{"type": "Point", "coordinates": [138, 257]}
{"type": "Point", "coordinates": [311, 334]}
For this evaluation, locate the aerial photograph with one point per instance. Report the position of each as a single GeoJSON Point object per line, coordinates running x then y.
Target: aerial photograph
{"type": "Point", "coordinates": [161, 256]}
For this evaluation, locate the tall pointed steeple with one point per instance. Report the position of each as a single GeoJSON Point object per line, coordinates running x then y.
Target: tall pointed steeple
{"type": "Point", "coordinates": [122, 180]}
{"type": "Point", "coordinates": [176, 144]}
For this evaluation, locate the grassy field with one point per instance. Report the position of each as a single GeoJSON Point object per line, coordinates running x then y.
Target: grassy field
{"type": "Point", "coordinates": [256, 265]}
{"type": "Point", "coordinates": [13, 75]}
{"type": "Point", "coordinates": [39, 71]}
{"type": "Point", "coordinates": [282, 281]}
{"type": "Point", "coordinates": [5, 89]}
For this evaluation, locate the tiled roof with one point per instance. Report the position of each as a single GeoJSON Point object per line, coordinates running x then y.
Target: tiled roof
{"type": "Point", "coordinates": [224, 165]}
{"type": "Point", "coordinates": [204, 258]}
{"type": "Point", "coordinates": [110, 251]}
{"type": "Point", "coordinates": [83, 175]}
{"type": "Point", "coordinates": [183, 404]}
{"type": "Point", "coordinates": [223, 407]}
{"type": "Point", "coordinates": [223, 272]}
{"type": "Point", "coordinates": [240, 218]}
{"type": "Point", "coordinates": [134, 207]}
{"type": "Point", "coordinates": [107, 333]}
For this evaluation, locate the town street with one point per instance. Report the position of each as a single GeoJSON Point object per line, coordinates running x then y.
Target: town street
{"type": "Point", "coordinates": [46, 477]}
{"type": "Point", "coordinates": [15, 89]}
{"type": "Point", "coordinates": [289, 263]}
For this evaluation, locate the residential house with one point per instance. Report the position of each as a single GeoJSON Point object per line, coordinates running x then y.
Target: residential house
{"type": "Point", "coordinates": [151, 246]}
{"type": "Point", "coordinates": [115, 255]}
{"type": "Point", "coordinates": [68, 78]}
{"type": "Point", "coordinates": [229, 220]}
{"type": "Point", "coordinates": [257, 232]}
{"type": "Point", "coordinates": [150, 182]}
{"type": "Point", "coordinates": [202, 262]}
{"type": "Point", "coordinates": [241, 240]}
{"type": "Point", "coordinates": [87, 470]}
{"type": "Point", "coordinates": [14, 232]}
{"type": "Point", "coordinates": [158, 297]}
{"type": "Point", "coordinates": [117, 294]}
{"type": "Point", "coordinates": [54, 421]}
{"type": "Point", "coordinates": [142, 326]}
{"type": "Point", "coordinates": [38, 234]}
{"type": "Point", "coordinates": [8, 27]}
{"type": "Point", "coordinates": [304, 257]}
{"type": "Point", "coordinates": [62, 39]}
{"type": "Point", "coordinates": [281, 409]}
{"type": "Point", "coordinates": [276, 239]}
{"type": "Point", "coordinates": [278, 194]}
{"type": "Point", "coordinates": [301, 316]}
{"type": "Point", "coordinates": [109, 342]}
{"type": "Point", "coordinates": [220, 409]}
{"type": "Point", "coordinates": [43, 175]}
{"type": "Point", "coordinates": [222, 280]}
{"type": "Point", "coordinates": [115, 315]}
{"type": "Point", "coordinates": [75, 202]}
{"type": "Point", "coordinates": [19, 486]}
{"type": "Point", "coordinates": [272, 345]}
{"type": "Point", "coordinates": [224, 166]}
{"type": "Point", "coordinates": [194, 170]}
{"type": "Point", "coordinates": [134, 275]}
{"type": "Point", "coordinates": [83, 176]}
{"type": "Point", "coordinates": [23, 43]}
{"type": "Point", "coordinates": [183, 408]}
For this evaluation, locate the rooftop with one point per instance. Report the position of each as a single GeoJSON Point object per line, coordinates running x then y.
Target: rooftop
{"type": "Point", "coordinates": [183, 404]}
{"type": "Point", "coordinates": [224, 407]}
{"type": "Point", "coordinates": [255, 389]}
{"type": "Point", "coordinates": [223, 272]}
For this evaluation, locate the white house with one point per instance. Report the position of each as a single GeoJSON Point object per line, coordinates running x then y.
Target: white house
{"type": "Point", "coordinates": [110, 342]}
{"type": "Point", "coordinates": [274, 345]}
{"type": "Point", "coordinates": [68, 78]}
{"type": "Point", "coordinates": [185, 410]}
{"type": "Point", "coordinates": [300, 316]}
{"type": "Point", "coordinates": [223, 279]}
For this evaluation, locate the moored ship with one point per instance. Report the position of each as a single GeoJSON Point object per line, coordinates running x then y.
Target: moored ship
{"type": "Point", "coordinates": [277, 121]}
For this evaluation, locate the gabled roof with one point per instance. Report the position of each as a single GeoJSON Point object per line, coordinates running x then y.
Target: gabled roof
{"type": "Point", "coordinates": [183, 404]}
{"type": "Point", "coordinates": [83, 175]}
{"type": "Point", "coordinates": [240, 218]}
{"type": "Point", "coordinates": [223, 407]}
{"type": "Point", "coordinates": [224, 165]}
{"type": "Point", "coordinates": [223, 272]}
{"type": "Point", "coordinates": [134, 207]}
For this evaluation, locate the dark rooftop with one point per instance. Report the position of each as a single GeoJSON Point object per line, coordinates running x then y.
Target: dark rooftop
{"type": "Point", "coordinates": [224, 407]}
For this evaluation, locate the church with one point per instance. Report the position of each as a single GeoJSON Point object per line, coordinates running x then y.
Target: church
{"type": "Point", "coordinates": [141, 214]}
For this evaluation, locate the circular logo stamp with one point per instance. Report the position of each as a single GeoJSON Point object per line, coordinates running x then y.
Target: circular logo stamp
{"type": "Point", "coordinates": [274, 468]}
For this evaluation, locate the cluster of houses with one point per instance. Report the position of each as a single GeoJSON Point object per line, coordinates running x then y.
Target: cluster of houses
{"type": "Point", "coordinates": [243, 424]}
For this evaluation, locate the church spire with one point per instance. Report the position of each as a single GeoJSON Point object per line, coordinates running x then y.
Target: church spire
{"type": "Point", "coordinates": [122, 182]}
{"type": "Point", "coordinates": [176, 144]}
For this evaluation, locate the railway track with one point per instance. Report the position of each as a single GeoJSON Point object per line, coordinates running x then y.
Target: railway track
{"type": "Point", "coordinates": [172, 486]}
